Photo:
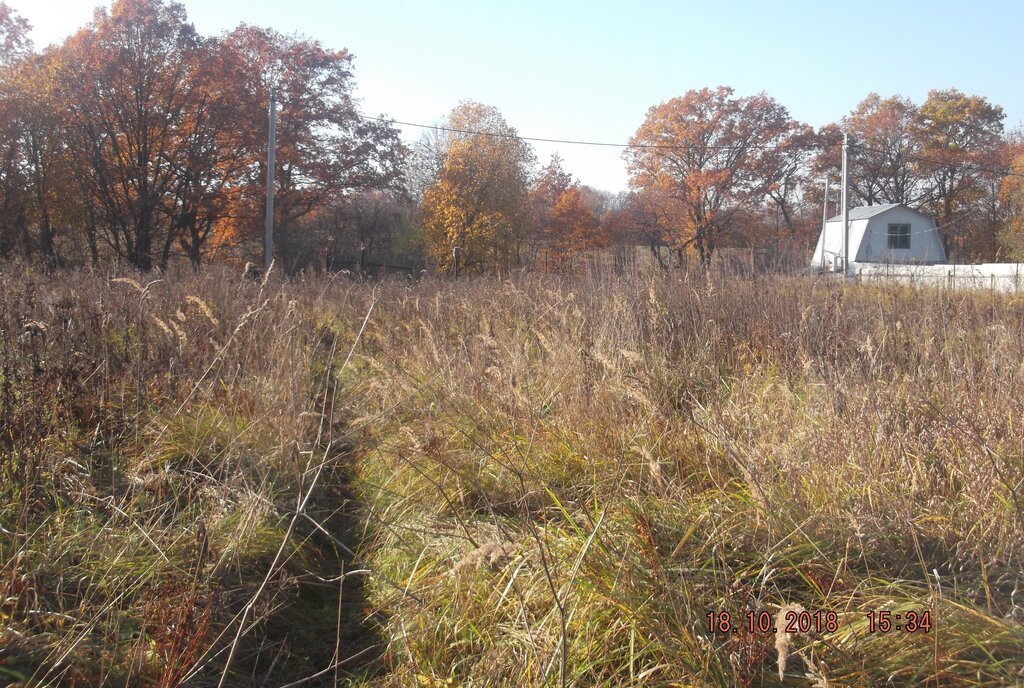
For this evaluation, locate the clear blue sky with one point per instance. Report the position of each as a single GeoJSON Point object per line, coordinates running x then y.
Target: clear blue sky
{"type": "Point", "coordinates": [590, 70]}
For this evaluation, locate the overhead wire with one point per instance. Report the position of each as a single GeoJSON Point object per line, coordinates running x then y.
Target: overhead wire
{"type": "Point", "coordinates": [572, 142]}
{"type": "Point", "coordinates": [938, 163]}
{"type": "Point", "coordinates": [658, 146]}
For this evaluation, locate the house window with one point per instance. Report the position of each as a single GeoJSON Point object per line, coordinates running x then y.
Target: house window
{"type": "Point", "coordinates": [899, 236]}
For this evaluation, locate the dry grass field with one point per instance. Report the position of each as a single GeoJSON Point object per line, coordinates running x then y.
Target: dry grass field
{"type": "Point", "coordinates": [208, 480]}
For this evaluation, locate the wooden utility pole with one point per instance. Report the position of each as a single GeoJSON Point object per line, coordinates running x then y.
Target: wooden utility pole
{"type": "Point", "coordinates": [824, 222]}
{"type": "Point", "coordinates": [846, 208]}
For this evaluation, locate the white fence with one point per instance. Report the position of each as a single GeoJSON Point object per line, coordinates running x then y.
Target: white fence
{"type": "Point", "coordinates": [1004, 277]}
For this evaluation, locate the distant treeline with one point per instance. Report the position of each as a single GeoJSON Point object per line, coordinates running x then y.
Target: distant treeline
{"type": "Point", "coordinates": [139, 139]}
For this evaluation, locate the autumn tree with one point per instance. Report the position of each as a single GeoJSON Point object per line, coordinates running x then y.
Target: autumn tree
{"type": "Point", "coordinates": [14, 41]}
{"type": "Point", "coordinates": [883, 151]}
{"type": "Point", "coordinates": [785, 166]}
{"type": "Point", "coordinates": [564, 218]}
{"type": "Point", "coordinates": [14, 45]}
{"type": "Point", "coordinates": [36, 183]}
{"type": "Point", "coordinates": [598, 203]}
{"type": "Point", "coordinates": [826, 163]}
{"type": "Point", "coordinates": [708, 157]}
{"type": "Point", "coordinates": [636, 220]}
{"type": "Point", "coordinates": [45, 155]}
{"type": "Point", "coordinates": [365, 231]}
{"type": "Point", "coordinates": [210, 161]}
{"type": "Point", "coordinates": [13, 193]}
{"type": "Point", "coordinates": [479, 201]}
{"type": "Point", "coordinates": [960, 138]}
{"type": "Point", "coordinates": [127, 82]}
{"type": "Point", "coordinates": [1011, 200]}
{"type": "Point", "coordinates": [166, 132]}
{"type": "Point", "coordinates": [324, 147]}
{"type": "Point", "coordinates": [575, 228]}
{"type": "Point", "coordinates": [549, 184]}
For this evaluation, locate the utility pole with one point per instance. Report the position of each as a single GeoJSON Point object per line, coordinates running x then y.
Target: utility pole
{"type": "Point", "coordinates": [824, 221]}
{"type": "Point", "coordinates": [268, 238]}
{"type": "Point", "coordinates": [846, 208]}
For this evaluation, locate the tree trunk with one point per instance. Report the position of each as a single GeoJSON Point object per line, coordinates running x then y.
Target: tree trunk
{"type": "Point", "coordinates": [26, 238]}
{"type": "Point", "coordinates": [144, 244]}
{"type": "Point", "coordinates": [195, 248]}
{"type": "Point", "coordinates": [704, 250]}
{"type": "Point", "coordinates": [45, 235]}
{"type": "Point", "coordinates": [656, 252]}
{"type": "Point", "coordinates": [165, 253]}
{"type": "Point", "coordinates": [90, 238]}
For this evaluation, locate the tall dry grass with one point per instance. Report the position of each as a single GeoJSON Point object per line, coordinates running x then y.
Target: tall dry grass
{"type": "Point", "coordinates": [534, 481]}
{"type": "Point", "coordinates": [158, 439]}
{"type": "Point", "coordinates": [567, 474]}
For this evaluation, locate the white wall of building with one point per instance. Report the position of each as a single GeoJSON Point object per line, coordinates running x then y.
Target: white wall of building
{"type": "Point", "coordinates": [925, 243]}
{"type": "Point", "coordinates": [869, 240]}
{"type": "Point", "coordinates": [830, 243]}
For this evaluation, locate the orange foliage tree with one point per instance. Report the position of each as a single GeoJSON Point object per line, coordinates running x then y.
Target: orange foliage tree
{"type": "Point", "coordinates": [127, 80]}
{"type": "Point", "coordinates": [44, 155]}
{"type": "Point", "coordinates": [708, 157]}
{"type": "Point", "coordinates": [155, 136]}
{"type": "Point", "coordinates": [961, 144]}
{"type": "Point", "coordinates": [575, 227]}
{"type": "Point", "coordinates": [884, 146]}
{"type": "Point", "coordinates": [1011, 197]}
{"type": "Point", "coordinates": [564, 220]}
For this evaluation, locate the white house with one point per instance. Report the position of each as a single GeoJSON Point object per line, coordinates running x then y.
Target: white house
{"type": "Point", "coordinates": [887, 234]}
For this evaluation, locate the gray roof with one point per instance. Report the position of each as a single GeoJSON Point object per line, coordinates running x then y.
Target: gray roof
{"type": "Point", "coordinates": [866, 211]}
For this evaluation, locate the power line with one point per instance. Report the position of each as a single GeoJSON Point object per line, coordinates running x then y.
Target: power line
{"type": "Point", "coordinates": [501, 135]}
{"type": "Point", "coordinates": [573, 142]}
{"type": "Point", "coordinates": [657, 146]}
{"type": "Point", "coordinates": [938, 163]}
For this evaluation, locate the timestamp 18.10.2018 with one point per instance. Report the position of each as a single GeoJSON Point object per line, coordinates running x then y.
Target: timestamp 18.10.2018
{"type": "Point", "coordinates": [804, 621]}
